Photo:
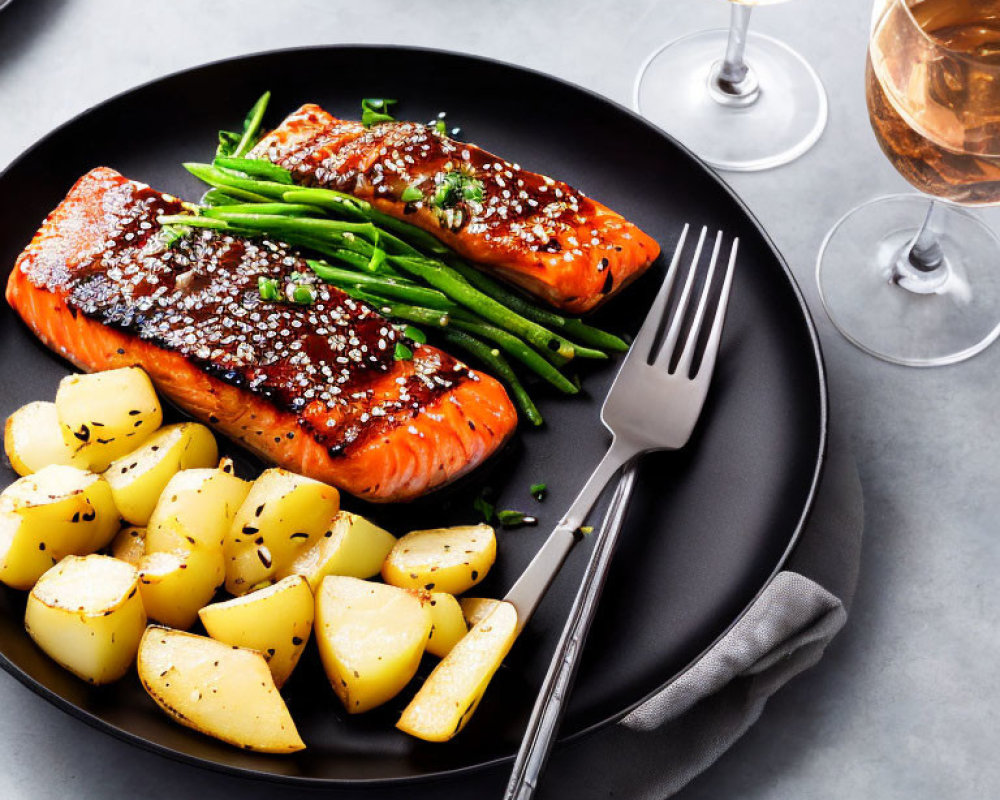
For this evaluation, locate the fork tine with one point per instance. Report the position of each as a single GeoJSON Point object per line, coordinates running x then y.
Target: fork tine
{"type": "Point", "coordinates": [670, 340]}
{"type": "Point", "coordinates": [712, 346]}
{"type": "Point", "coordinates": [684, 364]}
{"type": "Point", "coordinates": [644, 340]}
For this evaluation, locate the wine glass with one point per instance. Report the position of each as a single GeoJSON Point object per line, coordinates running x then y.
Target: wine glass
{"type": "Point", "coordinates": [915, 280]}
{"type": "Point", "coordinates": [741, 101]}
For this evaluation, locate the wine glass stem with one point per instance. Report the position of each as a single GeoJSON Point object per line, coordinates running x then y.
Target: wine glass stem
{"type": "Point", "coordinates": [921, 265]}
{"type": "Point", "coordinates": [732, 82]}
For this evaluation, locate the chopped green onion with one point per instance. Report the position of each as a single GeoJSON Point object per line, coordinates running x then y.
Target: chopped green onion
{"type": "Point", "coordinates": [455, 186]}
{"type": "Point", "coordinates": [374, 110]}
{"type": "Point", "coordinates": [586, 530]}
{"type": "Point", "coordinates": [402, 352]}
{"type": "Point", "coordinates": [304, 294]}
{"type": "Point", "coordinates": [441, 127]}
{"type": "Point", "coordinates": [268, 289]}
{"type": "Point", "coordinates": [415, 334]}
{"type": "Point", "coordinates": [538, 491]}
{"type": "Point", "coordinates": [515, 519]}
{"type": "Point", "coordinates": [411, 194]}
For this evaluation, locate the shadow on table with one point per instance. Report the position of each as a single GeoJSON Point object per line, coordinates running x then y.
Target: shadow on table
{"type": "Point", "coordinates": [20, 20]}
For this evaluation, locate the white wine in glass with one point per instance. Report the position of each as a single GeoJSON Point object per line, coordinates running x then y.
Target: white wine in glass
{"type": "Point", "coordinates": [916, 279]}
{"type": "Point", "coordinates": [741, 101]}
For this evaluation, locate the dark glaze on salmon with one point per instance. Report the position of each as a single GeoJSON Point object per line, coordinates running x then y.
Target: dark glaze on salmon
{"type": "Point", "coordinates": [314, 387]}
{"type": "Point", "coordinates": [537, 232]}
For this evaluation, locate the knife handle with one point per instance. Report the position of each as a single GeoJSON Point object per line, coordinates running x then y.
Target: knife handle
{"type": "Point", "coordinates": [550, 705]}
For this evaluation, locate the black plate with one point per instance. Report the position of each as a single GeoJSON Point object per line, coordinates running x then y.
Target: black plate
{"type": "Point", "coordinates": [708, 526]}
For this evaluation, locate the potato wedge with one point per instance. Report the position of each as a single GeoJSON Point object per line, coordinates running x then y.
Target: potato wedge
{"type": "Point", "coordinates": [276, 620]}
{"type": "Point", "coordinates": [222, 691]}
{"type": "Point", "coordinates": [371, 637]}
{"type": "Point", "coordinates": [197, 507]}
{"type": "Point", "coordinates": [449, 560]}
{"type": "Point", "coordinates": [129, 545]}
{"type": "Point", "coordinates": [104, 415]}
{"type": "Point", "coordinates": [176, 585]}
{"type": "Point", "coordinates": [138, 478]}
{"type": "Point", "coordinates": [282, 515]}
{"type": "Point", "coordinates": [55, 512]}
{"type": "Point", "coordinates": [351, 546]}
{"type": "Point", "coordinates": [447, 624]}
{"type": "Point", "coordinates": [33, 439]}
{"type": "Point", "coordinates": [85, 613]}
{"type": "Point", "coordinates": [450, 695]}
{"type": "Point", "coordinates": [476, 609]}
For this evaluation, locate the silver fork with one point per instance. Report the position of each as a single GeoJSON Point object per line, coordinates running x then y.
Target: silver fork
{"type": "Point", "coordinates": [648, 408]}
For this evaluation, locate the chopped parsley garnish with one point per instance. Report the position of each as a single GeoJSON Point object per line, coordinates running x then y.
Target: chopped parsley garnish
{"type": "Point", "coordinates": [268, 288]}
{"type": "Point", "coordinates": [538, 491]}
{"type": "Point", "coordinates": [515, 519]}
{"type": "Point", "coordinates": [484, 506]}
{"type": "Point", "coordinates": [411, 194]}
{"type": "Point", "coordinates": [375, 110]}
{"type": "Point", "coordinates": [402, 352]}
{"type": "Point", "coordinates": [304, 294]}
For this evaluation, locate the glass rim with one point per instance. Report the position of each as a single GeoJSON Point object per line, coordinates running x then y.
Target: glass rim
{"type": "Point", "coordinates": [937, 43]}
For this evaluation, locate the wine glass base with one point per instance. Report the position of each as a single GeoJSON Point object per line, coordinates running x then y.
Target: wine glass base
{"type": "Point", "coordinates": [788, 117]}
{"type": "Point", "coordinates": [854, 271]}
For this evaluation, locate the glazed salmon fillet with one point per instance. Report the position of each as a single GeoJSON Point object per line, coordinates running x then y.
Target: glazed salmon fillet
{"type": "Point", "coordinates": [536, 232]}
{"type": "Point", "coordinates": [313, 387]}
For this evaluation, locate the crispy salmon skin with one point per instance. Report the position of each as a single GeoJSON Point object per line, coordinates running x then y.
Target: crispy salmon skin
{"type": "Point", "coordinates": [313, 387]}
{"type": "Point", "coordinates": [536, 232]}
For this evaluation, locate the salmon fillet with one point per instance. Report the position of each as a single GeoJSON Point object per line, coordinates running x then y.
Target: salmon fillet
{"type": "Point", "coordinates": [312, 387]}
{"type": "Point", "coordinates": [536, 232]}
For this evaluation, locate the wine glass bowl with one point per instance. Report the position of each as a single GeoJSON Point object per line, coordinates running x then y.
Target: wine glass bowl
{"type": "Point", "coordinates": [735, 113]}
{"type": "Point", "coordinates": [915, 280]}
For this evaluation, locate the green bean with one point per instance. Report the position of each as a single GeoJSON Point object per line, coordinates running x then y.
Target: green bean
{"type": "Point", "coordinates": [328, 200]}
{"type": "Point", "coordinates": [192, 221]}
{"type": "Point", "coordinates": [391, 288]}
{"type": "Point", "coordinates": [278, 225]}
{"type": "Point", "coordinates": [402, 311]}
{"type": "Point", "coordinates": [554, 347]}
{"type": "Point", "coordinates": [251, 125]}
{"type": "Point", "coordinates": [281, 209]}
{"type": "Point", "coordinates": [255, 168]}
{"type": "Point", "coordinates": [498, 364]}
{"type": "Point", "coordinates": [516, 348]}
{"type": "Point", "coordinates": [580, 330]}
{"type": "Point", "coordinates": [217, 197]}
{"type": "Point", "coordinates": [227, 180]}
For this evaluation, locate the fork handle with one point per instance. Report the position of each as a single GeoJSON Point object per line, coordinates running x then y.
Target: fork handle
{"type": "Point", "coordinates": [528, 590]}
{"type": "Point", "coordinates": [550, 705]}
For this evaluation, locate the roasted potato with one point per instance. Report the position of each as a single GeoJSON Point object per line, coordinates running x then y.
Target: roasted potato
{"type": "Point", "coordinates": [351, 546]}
{"type": "Point", "coordinates": [176, 585]}
{"type": "Point", "coordinates": [449, 560]}
{"type": "Point", "coordinates": [55, 512]}
{"type": "Point", "coordinates": [476, 608]}
{"type": "Point", "coordinates": [85, 613]}
{"type": "Point", "coordinates": [276, 620]}
{"type": "Point", "coordinates": [138, 478]}
{"type": "Point", "coordinates": [129, 545]}
{"type": "Point", "coordinates": [217, 689]}
{"type": "Point", "coordinates": [196, 507]}
{"type": "Point", "coordinates": [104, 415]}
{"type": "Point", "coordinates": [447, 624]}
{"type": "Point", "coordinates": [450, 695]}
{"type": "Point", "coordinates": [371, 637]}
{"type": "Point", "coordinates": [282, 515]}
{"type": "Point", "coordinates": [33, 439]}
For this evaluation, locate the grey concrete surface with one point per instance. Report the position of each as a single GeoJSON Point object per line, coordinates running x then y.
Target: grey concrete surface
{"type": "Point", "coordinates": [905, 704]}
